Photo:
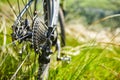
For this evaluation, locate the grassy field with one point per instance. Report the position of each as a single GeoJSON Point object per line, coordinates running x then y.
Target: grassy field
{"type": "Point", "coordinates": [94, 49]}
{"type": "Point", "coordinates": [91, 59]}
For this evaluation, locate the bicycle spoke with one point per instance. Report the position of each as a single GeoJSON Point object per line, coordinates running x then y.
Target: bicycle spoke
{"type": "Point", "coordinates": [18, 2]}
{"type": "Point", "coordinates": [31, 11]}
{"type": "Point", "coordinates": [27, 10]}
{"type": "Point", "coordinates": [12, 8]}
{"type": "Point", "coordinates": [14, 41]}
{"type": "Point", "coordinates": [8, 17]}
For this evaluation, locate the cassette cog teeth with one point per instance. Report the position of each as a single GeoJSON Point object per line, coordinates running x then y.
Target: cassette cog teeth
{"type": "Point", "coordinates": [39, 34]}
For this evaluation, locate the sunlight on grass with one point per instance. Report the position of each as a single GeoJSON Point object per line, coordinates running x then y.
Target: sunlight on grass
{"type": "Point", "coordinates": [95, 54]}
{"type": "Point", "coordinates": [89, 65]}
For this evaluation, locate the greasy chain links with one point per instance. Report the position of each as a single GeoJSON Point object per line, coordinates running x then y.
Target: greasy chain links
{"type": "Point", "coordinates": [39, 34]}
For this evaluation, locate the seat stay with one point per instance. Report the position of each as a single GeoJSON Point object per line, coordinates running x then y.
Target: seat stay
{"type": "Point", "coordinates": [54, 13]}
{"type": "Point", "coordinates": [23, 11]}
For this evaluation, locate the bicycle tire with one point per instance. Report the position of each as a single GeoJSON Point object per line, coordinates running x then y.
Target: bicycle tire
{"type": "Point", "coordinates": [62, 27]}
{"type": "Point", "coordinates": [44, 68]}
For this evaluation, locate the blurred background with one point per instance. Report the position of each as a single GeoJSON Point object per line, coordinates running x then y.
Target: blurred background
{"type": "Point", "coordinates": [92, 40]}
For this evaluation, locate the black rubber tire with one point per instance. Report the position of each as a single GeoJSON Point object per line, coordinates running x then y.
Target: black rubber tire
{"type": "Point", "coordinates": [62, 27]}
{"type": "Point", "coordinates": [43, 71]}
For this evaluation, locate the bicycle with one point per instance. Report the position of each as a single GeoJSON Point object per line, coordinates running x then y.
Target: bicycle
{"type": "Point", "coordinates": [37, 24]}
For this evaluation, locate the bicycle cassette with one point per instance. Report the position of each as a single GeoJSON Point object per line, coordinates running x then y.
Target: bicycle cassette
{"type": "Point", "coordinates": [39, 34]}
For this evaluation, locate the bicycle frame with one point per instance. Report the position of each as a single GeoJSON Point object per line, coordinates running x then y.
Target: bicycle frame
{"type": "Point", "coordinates": [53, 15]}
{"type": "Point", "coordinates": [55, 11]}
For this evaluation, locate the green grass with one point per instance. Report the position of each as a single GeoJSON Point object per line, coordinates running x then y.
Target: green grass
{"type": "Point", "coordinates": [89, 60]}
{"type": "Point", "coordinates": [92, 63]}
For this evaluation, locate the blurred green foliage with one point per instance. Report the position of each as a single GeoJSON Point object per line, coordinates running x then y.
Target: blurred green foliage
{"type": "Point", "coordinates": [91, 10]}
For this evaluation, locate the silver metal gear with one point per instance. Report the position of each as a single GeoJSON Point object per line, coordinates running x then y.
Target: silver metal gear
{"type": "Point", "coordinates": [39, 34]}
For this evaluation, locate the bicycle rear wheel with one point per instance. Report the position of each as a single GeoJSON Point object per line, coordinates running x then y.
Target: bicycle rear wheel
{"type": "Point", "coordinates": [44, 67]}
{"type": "Point", "coordinates": [62, 27]}
{"type": "Point", "coordinates": [26, 29]}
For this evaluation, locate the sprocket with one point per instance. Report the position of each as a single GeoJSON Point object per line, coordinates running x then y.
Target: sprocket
{"type": "Point", "coordinates": [39, 34]}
